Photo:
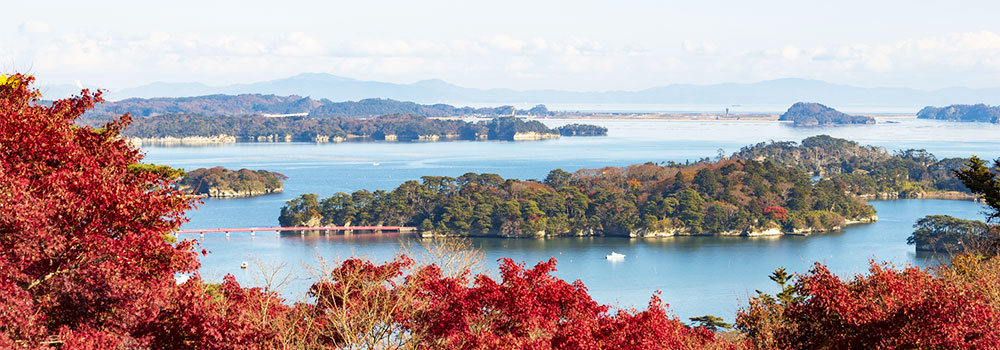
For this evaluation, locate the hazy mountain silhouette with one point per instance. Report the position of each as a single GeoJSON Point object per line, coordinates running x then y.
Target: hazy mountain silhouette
{"type": "Point", "coordinates": [771, 92]}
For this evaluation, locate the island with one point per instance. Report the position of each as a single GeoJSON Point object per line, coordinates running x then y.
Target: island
{"type": "Point", "coordinates": [582, 130]}
{"type": "Point", "coordinates": [273, 105]}
{"type": "Point", "coordinates": [868, 171]}
{"type": "Point", "coordinates": [815, 114]}
{"type": "Point", "coordinates": [202, 129]}
{"type": "Point", "coordinates": [950, 235]}
{"type": "Point", "coordinates": [773, 188]}
{"type": "Point", "coordinates": [219, 182]}
{"type": "Point", "coordinates": [739, 198]}
{"type": "Point", "coordinates": [964, 113]}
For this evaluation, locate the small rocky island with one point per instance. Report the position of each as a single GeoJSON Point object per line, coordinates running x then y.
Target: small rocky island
{"type": "Point", "coordinates": [582, 130]}
{"type": "Point", "coordinates": [219, 182]}
{"type": "Point", "coordinates": [963, 113]}
{"type": "Point", "coordinates": [815, 114]}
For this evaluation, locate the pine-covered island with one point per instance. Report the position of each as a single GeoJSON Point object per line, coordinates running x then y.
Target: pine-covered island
{"type": "Point", "coordinates": [815, 114]}
{"type": "Point", "coordinates": [963, 113]}
{"type": "Point", "coordinates": [765, 189]}
{"type": "Point", "coordinates": [219, 182]}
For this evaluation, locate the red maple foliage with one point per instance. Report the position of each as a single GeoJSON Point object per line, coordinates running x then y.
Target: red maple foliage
{"type": "Point", "coordinates": [82, 235]}
{"type": "Point", "coordinates": [892, 309]}
{"type": "Point", "coordinates": [884, 309]}
{"type": "Point", "coordinates": [385, 306]}
{"type": "Point", "coordinates": [226, 316]}
{"type": "Point", "coordinates": [363, 304]}
{"type": "Point", "coordinates": [776, 211]}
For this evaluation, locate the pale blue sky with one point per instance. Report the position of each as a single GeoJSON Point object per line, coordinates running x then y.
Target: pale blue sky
{"type": "Point", "coordinates": [571, 45]}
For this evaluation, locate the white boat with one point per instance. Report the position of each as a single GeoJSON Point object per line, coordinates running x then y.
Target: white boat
{"type": "Point", "coordinates": [615, 256]}
{"type": "Point", "coordinates": [244, 265]}
{"type": "Point", "coordinates": [375, 164]}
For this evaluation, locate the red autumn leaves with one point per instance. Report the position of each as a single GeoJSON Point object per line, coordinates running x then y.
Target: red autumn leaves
{"type": "Point", "coordinates": [777, 212]}
{"type": "Point", "coordinates": [82, 236]}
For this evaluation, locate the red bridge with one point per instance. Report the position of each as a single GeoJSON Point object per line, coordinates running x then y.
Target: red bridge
{"type": "Point", "coordinates": [276, 230]}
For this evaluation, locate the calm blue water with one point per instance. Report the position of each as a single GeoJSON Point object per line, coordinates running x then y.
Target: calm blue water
{"type": "Point", "coordinates": [698, 275]}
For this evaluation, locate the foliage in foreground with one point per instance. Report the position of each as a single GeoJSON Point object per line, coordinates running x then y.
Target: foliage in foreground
{"type": "Point", "coordinates": [82, 233]}
{"type": "Point", "coordinates": [887, 308]}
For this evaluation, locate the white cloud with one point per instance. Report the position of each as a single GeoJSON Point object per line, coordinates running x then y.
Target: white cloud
{"type": "Point", "coordinates": [500, 60]}
{"type": "Point", "coordinates": [790, 52]}
{"type": "Point", "coordinates": [299, 44]}
{"type": "Point", "coordinates": [34, 27]}
{"type": "Point", "coordinates": [506, 43]}
{"type": "Point", "coordinates": [520, 64]}
{"type": "Point", "coordinates": [699, 47]}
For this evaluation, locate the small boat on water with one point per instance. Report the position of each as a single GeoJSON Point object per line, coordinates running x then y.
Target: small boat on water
{"type": "Point", "coordinates": [244, 265]}
{"type": "Point", "coordinates": [615, 256]}
{"type": "Point", "coordinates": [375, 164]}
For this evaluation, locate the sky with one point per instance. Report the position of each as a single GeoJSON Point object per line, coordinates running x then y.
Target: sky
{"type": "Point", "coordinates": [580, 45]}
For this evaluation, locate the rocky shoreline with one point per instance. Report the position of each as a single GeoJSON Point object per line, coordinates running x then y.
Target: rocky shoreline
{"type": "Point", "coordinates": [948, 195]}
{"type": "Point", "coordinates": [220, 193]}
{"type": "Point", "coordinates": [183, 141]}
{"type": "Point", "coordinates": [772, 231]}
{"type": "Point", "coordinates": [533, 136]}
{"type": "Point", "coordinates": [229, 139]}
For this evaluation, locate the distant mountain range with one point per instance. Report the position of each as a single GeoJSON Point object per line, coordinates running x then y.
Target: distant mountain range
{"type": "Point", "coordinates": [259, 104]}
{"type": "Point", "coordinates": [780, 92]}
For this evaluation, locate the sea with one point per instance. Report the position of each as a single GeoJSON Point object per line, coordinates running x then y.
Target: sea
{"type": "Point", "coordinates": [694, 275]}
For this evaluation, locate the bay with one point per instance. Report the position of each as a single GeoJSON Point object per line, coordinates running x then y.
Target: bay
{"type": "Point", "coordinates": [698, 275]}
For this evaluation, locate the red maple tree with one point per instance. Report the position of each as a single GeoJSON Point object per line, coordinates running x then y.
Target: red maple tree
{"type": "Point", "coordinates": [777, 212]}
{"type": "Point", "coordinates": [83, 236]}
{"type": "Point", "coordinates": [531, 309]}
{"type": "Point", "coordinates": [887, 308]}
